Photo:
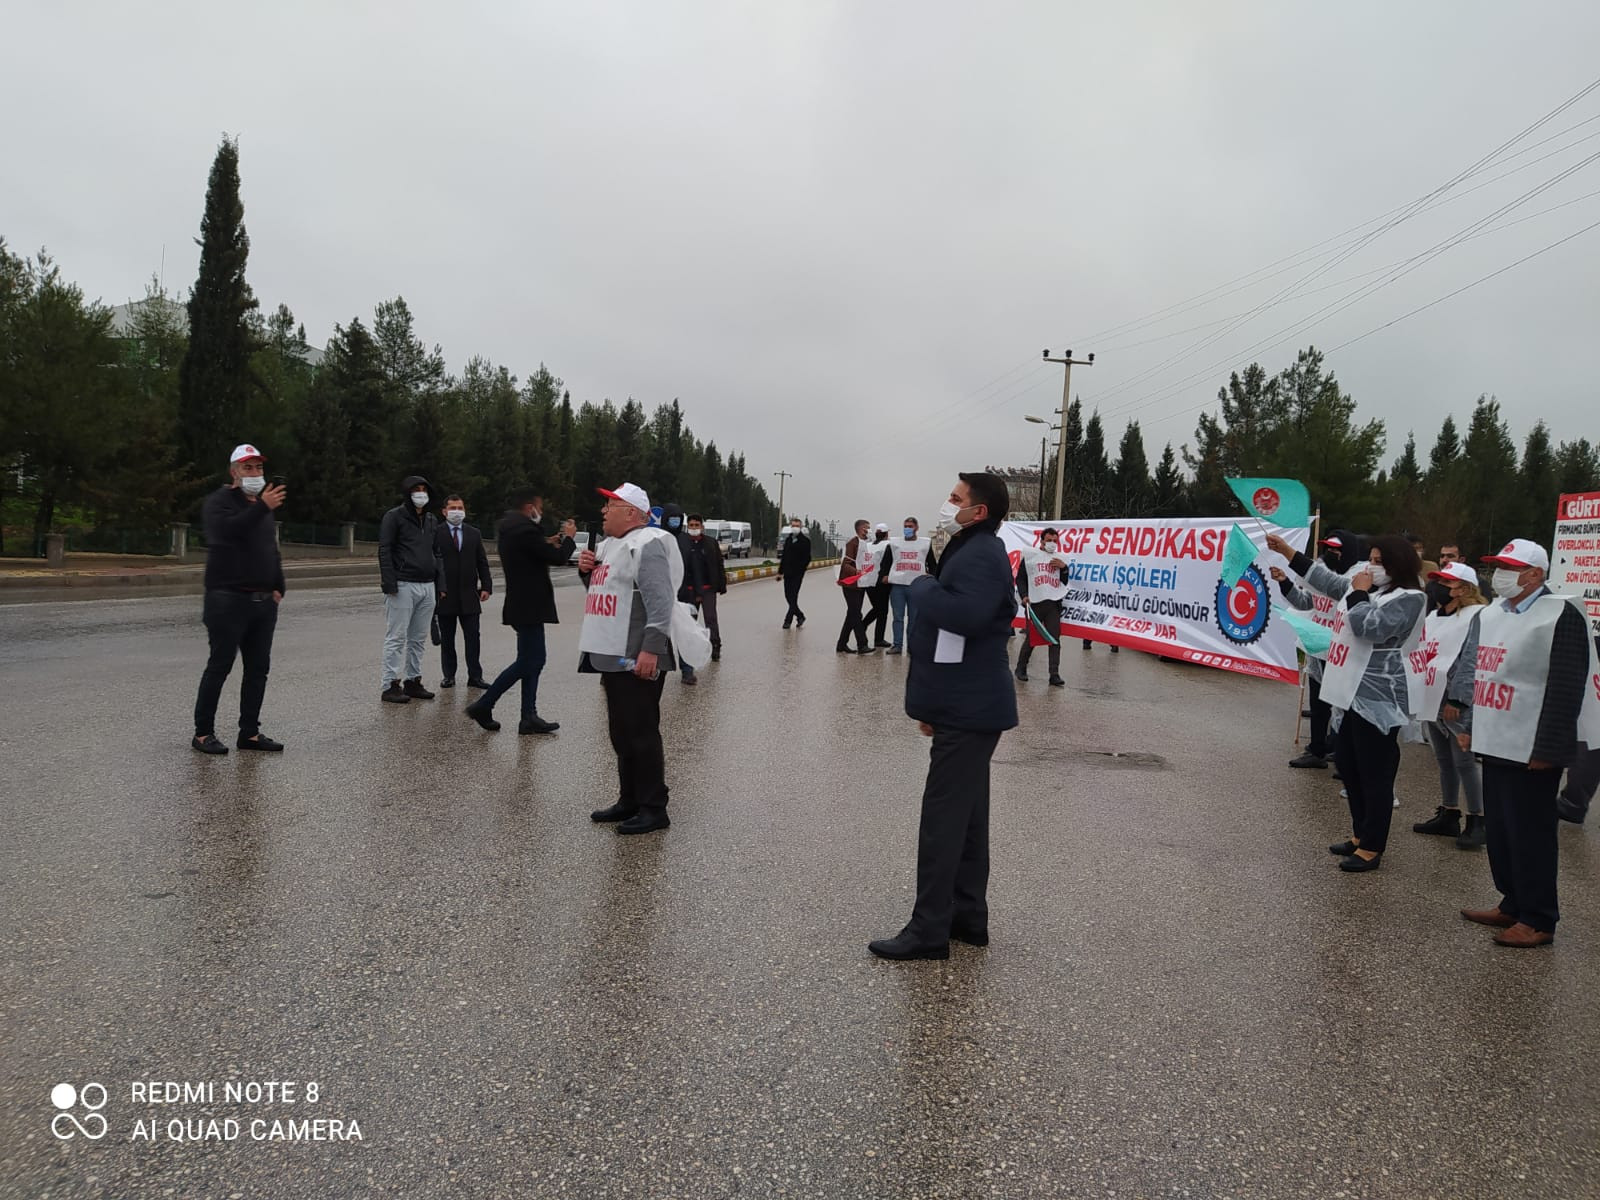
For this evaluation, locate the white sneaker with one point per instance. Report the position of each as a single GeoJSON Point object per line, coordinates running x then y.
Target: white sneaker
{"type": "Point", "coordinates": [1397, 801]}
{"type": "Point", "coordinates": [1343, 794]}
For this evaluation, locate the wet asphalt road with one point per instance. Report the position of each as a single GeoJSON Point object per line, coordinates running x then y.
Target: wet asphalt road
{"type": "Point", "coordinates": [1184, 997]}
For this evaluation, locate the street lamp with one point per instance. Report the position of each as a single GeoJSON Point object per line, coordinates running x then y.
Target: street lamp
{"type": "Point", "coordinates": [1039, 492]}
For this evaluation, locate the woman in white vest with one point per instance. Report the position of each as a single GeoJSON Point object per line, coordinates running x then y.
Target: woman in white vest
{"type": "Point", "coordinates": [1443, 634]}
{"type": "Point", "coordinates": [1527, 689]}
{"type": "Point", "coordinates": [913, 558]}
{"type": "Point", "coordinates": [1369, 681]}
{"type": "Point", "coordinates": [1042, 584]}
{"type": "Point", "coordinates": [1345, 553]}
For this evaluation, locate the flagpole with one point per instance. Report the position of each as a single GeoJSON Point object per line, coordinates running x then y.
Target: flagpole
{"type": "Point", "coordinates": [1300, 708]}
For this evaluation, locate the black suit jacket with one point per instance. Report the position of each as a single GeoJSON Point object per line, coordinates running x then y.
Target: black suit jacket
{"type": "Point", "coordinates": [525, 559]}
{"type": "Point", "coordinates": [466, 571]}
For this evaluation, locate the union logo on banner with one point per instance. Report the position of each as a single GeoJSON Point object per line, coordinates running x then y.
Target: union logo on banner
{"type": "Point", "coordinates": [1266, 501]}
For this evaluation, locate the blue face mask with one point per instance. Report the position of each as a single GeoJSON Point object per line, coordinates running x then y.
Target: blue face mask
{"type": "Point", "coordinates": [674, 522]}
{"type": "Point", "coordinates": [910, 533]}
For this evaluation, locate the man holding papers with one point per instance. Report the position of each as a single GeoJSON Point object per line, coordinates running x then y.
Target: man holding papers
{"type": "Point", "coordinates": [959, 690]}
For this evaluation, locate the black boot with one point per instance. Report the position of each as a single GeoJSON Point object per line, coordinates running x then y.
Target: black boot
{"type": "Point", "coordinates": [716, 651]}
{"type": "Point", "coordinates": [1446, 822]}
{"type": "Point", "coordinates": [1474, 836]}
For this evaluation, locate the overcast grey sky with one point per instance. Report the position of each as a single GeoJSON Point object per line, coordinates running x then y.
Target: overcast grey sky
{"type": "Point", "coordinates": [828, 227]}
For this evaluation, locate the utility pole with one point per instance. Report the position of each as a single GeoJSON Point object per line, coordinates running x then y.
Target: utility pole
{"type": "Point", "coordinates": [1038, 492]}
{"type": "Point", "coordinates": [783, 477]}
{"type": "Point", "coordinates": [1066, 400]}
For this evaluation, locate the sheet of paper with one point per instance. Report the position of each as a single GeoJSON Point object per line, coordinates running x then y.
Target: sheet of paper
{"type": "Point", "coordinates": [950, 648]}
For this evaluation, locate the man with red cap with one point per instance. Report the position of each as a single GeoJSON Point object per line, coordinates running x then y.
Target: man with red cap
{"type": "Point", "coordinates": [1526, 688]}
{"type": "Point", "coordinates": [244, 585]}
{"type": "Point", "coordinates": [626, 638]}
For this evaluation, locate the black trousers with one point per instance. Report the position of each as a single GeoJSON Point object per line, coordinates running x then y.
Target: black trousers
{"type": "Point", "coordinates": [633, 716]}
{"type": "Point", "coordinates": [953, 838]}
{"type": "Point", "coordinates": [854, 622]}
{"type": "Point", "coordinates": [1049, 614]}
{"type": "Point", "coordinates": [1321, 714]}
{"type": "Point", "coordinates": [1519, 813]}
{"type": "Point", "coordinates": [237, 624]}
{"type": "Point", "coordinates": [470, 643]}
{"type": "Point", "coordinates": [879, 615]}
{"type": "Point", "coordinates": [1368, 758]}
{"type": "Point", "coordinates": [791, 593]}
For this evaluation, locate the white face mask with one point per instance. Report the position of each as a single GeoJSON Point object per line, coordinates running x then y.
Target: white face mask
{"type": "Point", "coordinates": [695, 531]}
{"type": "Point", "coordinates": [1380, 577]}
{"type": "Point", "coordinates": [1506, 583]}
{"type": "Point", "coordinates": [794, 529]}
{"type": "Point", "coordinates": [420, 499]}
{"type": "Point", "coordinates": [253, 485]}
{"type": "Point", "coordinates": [949, 517]}
{"type": "Point", "coordinates": [456, 515]}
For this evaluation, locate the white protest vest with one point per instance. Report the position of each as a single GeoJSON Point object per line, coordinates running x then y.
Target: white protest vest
{"type": "Point", "coordinates": [869, 557]}
{"type": "Point", "coordinates": [1045, 580]}
{"type": "Point", "coordinates": [910, 560]}
{"type": "Point", "coordinates": [1443, 635]}
{"type": "Point", "coordinates": [1513, 670]}
{"type": "Point", "coordinates": [608, 604]}
{"type": "Point", "coordinates": [1348, 656]}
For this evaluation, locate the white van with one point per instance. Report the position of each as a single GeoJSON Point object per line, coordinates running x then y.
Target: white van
{"type": "Point", "coordinates": [737, 544]}
{"type": "Point", "coordinates": [581, 541]}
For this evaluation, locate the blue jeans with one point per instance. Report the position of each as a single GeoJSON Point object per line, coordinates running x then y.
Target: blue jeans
{"type": "Point", "coordinates": [905, 612]}
{"type": "Point", "coordinates": [530, 662]}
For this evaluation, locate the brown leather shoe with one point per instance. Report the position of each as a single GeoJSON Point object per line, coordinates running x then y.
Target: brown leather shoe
{"type": "Point", "coordinates": [1489, 916]}
{"type": "Point", "coordinates": [1523, 937]}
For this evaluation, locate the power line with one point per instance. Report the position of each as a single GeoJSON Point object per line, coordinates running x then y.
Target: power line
{"type": "Point", "coordinates": [1299, 326]}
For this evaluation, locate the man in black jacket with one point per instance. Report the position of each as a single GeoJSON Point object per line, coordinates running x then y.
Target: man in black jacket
{"type": "Point", "coordinates": [244, 585]}
{"type": "Point", "coordinates": [704, 579]}
{"type": "Point", "coordinates": [411, 573]}
{"type": "Point", "coordinates": [794, 560]}
{"type": "Point", "coordinates": [526, 556]}
{"type": "Point", "coordinates": [1519, 687]}
{"type": "Point", "coordinates": [467, 584]}
{"type": "Point", "coordinates": [959, 691]}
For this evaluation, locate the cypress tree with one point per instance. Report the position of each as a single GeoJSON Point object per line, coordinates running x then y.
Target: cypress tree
{"type": "Point", "coordinates": [215, 382]}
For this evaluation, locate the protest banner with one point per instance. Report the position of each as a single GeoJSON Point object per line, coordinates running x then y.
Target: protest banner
{"type": "Point", "coordinates": [1156, 585]}
{"type": "Point", "coordinates": [1575, 561]}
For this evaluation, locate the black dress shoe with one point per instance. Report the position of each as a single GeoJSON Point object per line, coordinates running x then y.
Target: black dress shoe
{"type": "Point", "coordinates": [483, 716]}
{"type": "Point", "coordinates": [904, 946]}
{"type": "Point", "coordinates": [260, 742]}
{"type": "Point", "coordinates": [479, 682]}
{"type": "Point", "coordinates": [208, 744]}
{"type": "Point", "coordinates": [1057, 681]}
{"type": "Point", "coordinates": [1356, 863]}
{"type": "Point", "coordinates": [843, 650]}
{"type": "Point", "coordinates": [787, 624]}
{"type": "Point", "coordinates": [646, 820]}
{"type": "Point", "coordinates": [537, 724]}
{"type": "Point", "coordinates": [1022, 674]}
{"type": "Point", "coordinates": [882, 645]}
{"type": "Point", "coordinates": [1309, 761]}
{"type": "Point", "coordinates": [969, 936]}
{"type": "Point", "coordinates": [617, 812]}
{"type": "Point", "coordinates": [1342, 849]}
{"type": "Point", "coordinates": [449, 681]}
